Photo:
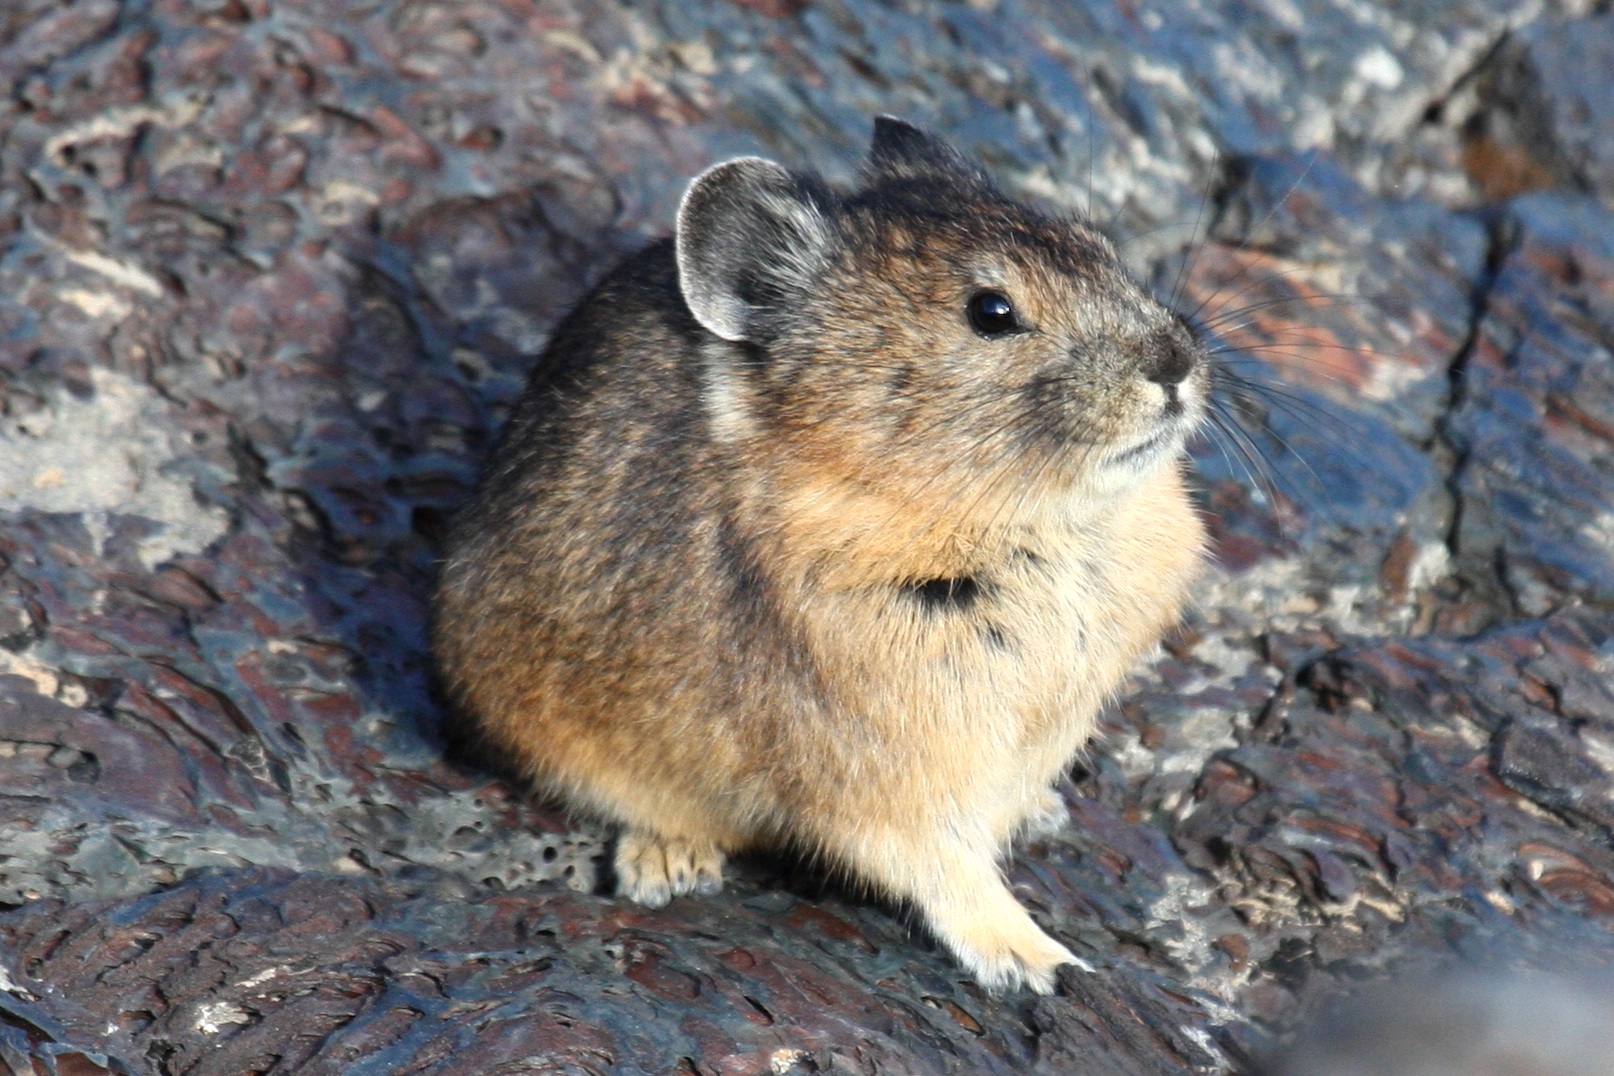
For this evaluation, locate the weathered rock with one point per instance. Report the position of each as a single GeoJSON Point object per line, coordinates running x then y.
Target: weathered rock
{"type": "Point", "coordinates": [271, 276]}
{"type": "Point", "coordinates": [1547, 108]}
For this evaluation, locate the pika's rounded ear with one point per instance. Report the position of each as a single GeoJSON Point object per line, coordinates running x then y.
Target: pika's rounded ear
{"type": "Point", "coordinates": [903, 150]}
{"type": "Point", "coordinates": [750, 241]}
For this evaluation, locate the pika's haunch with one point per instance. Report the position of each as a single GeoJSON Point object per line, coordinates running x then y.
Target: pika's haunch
{"type": "Point", "coordinates": [831, 523]}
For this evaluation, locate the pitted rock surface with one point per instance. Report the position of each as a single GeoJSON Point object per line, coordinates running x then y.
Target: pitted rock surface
{"type": "Point", "coordinates": [272, 274]}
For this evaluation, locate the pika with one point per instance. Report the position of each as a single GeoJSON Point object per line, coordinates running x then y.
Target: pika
{"type": "Point", "coordinates": [830, 523]}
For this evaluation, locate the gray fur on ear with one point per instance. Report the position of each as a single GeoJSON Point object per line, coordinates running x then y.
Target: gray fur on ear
{"type": "Point", "coordinates": [750, 238]}
{"type": "Point", "coordinates": [903, 150]}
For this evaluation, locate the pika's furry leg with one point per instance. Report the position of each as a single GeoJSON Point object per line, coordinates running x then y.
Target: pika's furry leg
{"type": "Point", "coordinates": [967, 904]}
{"type": "Point", "coordinates": [651, 869]}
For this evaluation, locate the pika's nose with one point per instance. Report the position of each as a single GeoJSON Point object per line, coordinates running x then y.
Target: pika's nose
{"type": "Point", "coordinates": [1168, 363]}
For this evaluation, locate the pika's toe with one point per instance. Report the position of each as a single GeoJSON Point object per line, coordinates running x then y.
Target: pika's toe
{"type": "Point", "coordinates": [641, 870]}
{"type": "Point", "coordinates": [709, 877]}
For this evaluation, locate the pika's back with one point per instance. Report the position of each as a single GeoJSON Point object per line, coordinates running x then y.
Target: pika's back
{"type": "Point", "coordinates": [610, 380]}
{"type": "Point", "coordinates": [586, 518]}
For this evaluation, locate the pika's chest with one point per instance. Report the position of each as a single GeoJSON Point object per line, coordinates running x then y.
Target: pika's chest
{"type": "Point", "coordinates": [1033, 609]}
{"type": "Point", "coordinates": [1043, 620]}
{"type": "Point", "coordinates": [1056, 615]}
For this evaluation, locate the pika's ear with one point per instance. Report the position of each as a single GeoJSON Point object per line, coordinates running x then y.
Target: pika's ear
{"type": "Point", "coordinates": [902, 150]}
{"type": "Point", "coordinates": [750, 241]}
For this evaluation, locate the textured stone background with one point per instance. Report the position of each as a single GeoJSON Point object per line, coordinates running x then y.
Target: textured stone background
{"type": "Point", "coordinates": [270, 275]}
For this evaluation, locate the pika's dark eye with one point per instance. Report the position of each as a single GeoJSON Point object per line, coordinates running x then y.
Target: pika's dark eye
{"type": "Point", "coordinates": [992, 314]}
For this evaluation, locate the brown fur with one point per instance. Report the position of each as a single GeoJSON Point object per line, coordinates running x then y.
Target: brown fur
{"type": "Point", "coordinates": [825, 564]}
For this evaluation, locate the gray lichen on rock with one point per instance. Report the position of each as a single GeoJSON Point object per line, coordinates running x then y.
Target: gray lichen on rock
{"type": "Point", "coordinates": [109, 453]}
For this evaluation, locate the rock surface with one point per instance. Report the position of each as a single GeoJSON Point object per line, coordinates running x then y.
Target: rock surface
{"type": "Point", "coordinates": [272, 274]}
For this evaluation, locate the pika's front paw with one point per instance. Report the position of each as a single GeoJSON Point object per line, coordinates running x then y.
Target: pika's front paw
{"type": "Point", "coordinates": [1014, 959]}
{"type": "Point", "coordinates": [651, 870]}
{"type": "Point", "coordinates": [1050, 815]}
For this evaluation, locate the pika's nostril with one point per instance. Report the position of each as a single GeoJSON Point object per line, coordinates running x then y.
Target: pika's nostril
{"type": "Point", "coordinates": [1169, 362]}
{"type": "Point", "coordinates": [1174, 405]}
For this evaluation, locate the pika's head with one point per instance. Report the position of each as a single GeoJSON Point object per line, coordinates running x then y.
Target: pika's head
{"type": "Point", "coordinates": [924, 328]}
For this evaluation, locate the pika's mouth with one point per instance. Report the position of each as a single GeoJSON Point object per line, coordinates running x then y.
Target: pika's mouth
{"type": "Point", "coordinates": [1166, 439]}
